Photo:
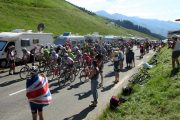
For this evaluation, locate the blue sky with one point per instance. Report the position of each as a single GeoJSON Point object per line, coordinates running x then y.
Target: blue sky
{"type": "Point", "coordinates": [154, 9]}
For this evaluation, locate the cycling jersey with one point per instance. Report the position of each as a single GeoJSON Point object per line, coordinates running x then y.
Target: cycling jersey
{"type": "Point", "coordinates": [70, 54]}
{"type": "Point", "coordinates": [87, 59]}
{"type": "Point", "coordinates": [46, 53]}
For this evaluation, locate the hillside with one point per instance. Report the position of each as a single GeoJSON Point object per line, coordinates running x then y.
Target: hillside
{"type": "Point", "coordinates": [57, 15]}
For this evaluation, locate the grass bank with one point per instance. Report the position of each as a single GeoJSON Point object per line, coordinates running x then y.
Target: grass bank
{"type": "Point", "coordinates": [158, 99]}
{"type": "Point", "coordinates": [58, 16]}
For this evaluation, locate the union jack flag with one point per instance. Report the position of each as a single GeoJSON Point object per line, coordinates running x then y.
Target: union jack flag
{"type": "Point", "coordinates": [37, 90]}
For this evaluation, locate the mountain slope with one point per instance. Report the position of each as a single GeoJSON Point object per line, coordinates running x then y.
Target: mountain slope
{"type": "Point", "coordinates": [155, 26]}
{"type": "Point", "coordinates": [57, 15]}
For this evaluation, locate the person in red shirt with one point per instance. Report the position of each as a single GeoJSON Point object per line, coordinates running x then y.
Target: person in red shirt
{"type": "Point", "coordinates": [87, 59]}
{"type": "Point", "coordinates": [141, 50]}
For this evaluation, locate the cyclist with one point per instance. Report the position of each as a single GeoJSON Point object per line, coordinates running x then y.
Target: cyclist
{"type": "Point", "coordinates": [69, 62]}
{"type": "Point", "coordinates": [87, 59]}
{"type": "Point", "coordinates": [54, 57]}
{"type": "Point", "coordinates": [26, 56]}
{"type": "Point", "coordinates": [46, 53]}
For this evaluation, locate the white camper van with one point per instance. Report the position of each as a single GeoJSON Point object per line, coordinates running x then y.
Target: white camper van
{"type": "Point", "coordinates": [93, 38]}
{"type": "Point", "coordinates": [73, 39]}
{"type": "Point", "coordinates": [21, 40]}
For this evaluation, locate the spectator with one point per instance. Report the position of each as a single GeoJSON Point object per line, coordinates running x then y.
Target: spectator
{"type": "Point", "coordinates": [33, 55]}
{"type": "Point", "coordinates": [176, 51]}
{"type": "Point", "coordinates": [38, 93]}
{"type": "Point", "coordinates": [11, 54]}
{"type": "Point", "coordinates": [100, 64]}
{"type": "Point", "coordinates": [116, 68]}
{"type": "Point", "coordinates": [130, 58]}
{"type": "Point", "coordinates": [121, 58]}
{"type": "Point", "coordinates": [94, 75]}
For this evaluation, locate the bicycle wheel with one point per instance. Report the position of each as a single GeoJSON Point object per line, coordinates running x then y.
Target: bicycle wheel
{"type": "Point", "coordinates": [24, 72]}
{"type": "Point", "coordinates": [83, 76]}
{"type": "Point", "coordinates": [62, 80]}
{"type": "Point", "coordinates": [49, 73]}
{"type": "Point", "coordinates": [42, 67]}
{"type": "Point", "coordinates": [76, 70]}
{"type": "Point", "coordinates": [71, 77]}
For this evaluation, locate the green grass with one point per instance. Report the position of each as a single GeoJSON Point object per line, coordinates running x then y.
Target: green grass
{"type": "Point", "coordinates": [158, 99]}
{"type": "Point", "coordinates": [58, 17]}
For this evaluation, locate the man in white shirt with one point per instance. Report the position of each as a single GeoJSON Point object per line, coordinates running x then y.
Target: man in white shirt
{"type": "Point", "coordinates": [176, 51]}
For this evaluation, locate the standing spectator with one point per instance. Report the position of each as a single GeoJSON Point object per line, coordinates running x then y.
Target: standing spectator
{"type": "Point", "coordinates": [38, 93]}
{"type": "Point", "coordinates": [94, 75]}
{"type": "Point", "coordinates": [176, 51]}
{"type": "Point", "coordinates": [11, 55]}
{"type": "Point", "coordinates": [130, 58]}
{"type": "Point", "coordinates": [121, 58]}
{"type": "Point", "coordinates": [100, 66]}
{"type": "Point", "coordinates": [116, 68]}
{"type": "Point", "coordinates": [33, 55]}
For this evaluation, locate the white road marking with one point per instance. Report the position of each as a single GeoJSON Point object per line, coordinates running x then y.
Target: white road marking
{"type": "Point", "coordinates": [140, 64]}
{"type": "Point", "coordinates": [121, 81]}
{"type": "Point", "coordinates": [17, 92]}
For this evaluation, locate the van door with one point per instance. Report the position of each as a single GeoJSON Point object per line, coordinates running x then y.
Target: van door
{"type": "Point", "coordinates": [3, 52]}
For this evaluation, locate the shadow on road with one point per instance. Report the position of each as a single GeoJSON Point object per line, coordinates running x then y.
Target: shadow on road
{"type": "Point", "coordinates": [3, 71]}
{"type": "Point", "coordinates": [4, 76]}
{"type": "Point", "coordinates": [82, 115]}
{"type": "Point", "coordinates": [83, 95]}
{"type": "Point", "coordinates": [10, 82]}
{"type": "Point", "coordinates": [56, 87]}
{"type": "Point", "coordinates": [76, 85]}
{"type": "Point", "coordinates": [111, 64]}
{"type": "Point", "coordinates": [106, 88]}
{"type": "Point", "coordinates": [125, 69]}
{"type": "Point", "coordinates": [110, 74]}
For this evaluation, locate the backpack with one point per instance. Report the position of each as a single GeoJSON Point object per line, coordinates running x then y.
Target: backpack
{"type": "Point", "coordinates": [114, 102]}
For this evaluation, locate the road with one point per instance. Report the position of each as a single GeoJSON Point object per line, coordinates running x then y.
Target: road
{"type": "Point", "coordinates": [69, 103]}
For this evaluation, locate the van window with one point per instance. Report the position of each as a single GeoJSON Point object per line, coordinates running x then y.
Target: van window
{"type": "Point", "coordinates": [35, 41]}
{"type": "Point", "coordinates": [73, 43]}
{"type": "Point", "coordinates": [60, 40]}
{"type": "Point", "coordinates": [25, 43]}
{"type": "Point", "coordinates": [2, 45]}
{"type": "Point", "coordinates": [8, 45]}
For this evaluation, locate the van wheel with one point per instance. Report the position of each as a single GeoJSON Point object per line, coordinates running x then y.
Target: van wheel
{"type": "Point", "coordinates": [3, 63]}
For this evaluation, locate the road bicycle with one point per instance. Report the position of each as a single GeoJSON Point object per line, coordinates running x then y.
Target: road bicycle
{"type": "Point", "coordinates": [141, 77]}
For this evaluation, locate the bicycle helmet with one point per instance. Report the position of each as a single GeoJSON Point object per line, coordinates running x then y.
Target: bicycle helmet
{"type": "Point", "coordinates": [24, 50]}
{"type": "Point", "coordinates": [65, 55]}
{"type": "Point", "coordinates": [34, 70]}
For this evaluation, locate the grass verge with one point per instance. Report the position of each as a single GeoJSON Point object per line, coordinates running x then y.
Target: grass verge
{"type": "Point", "coordinates": [157, 99]}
